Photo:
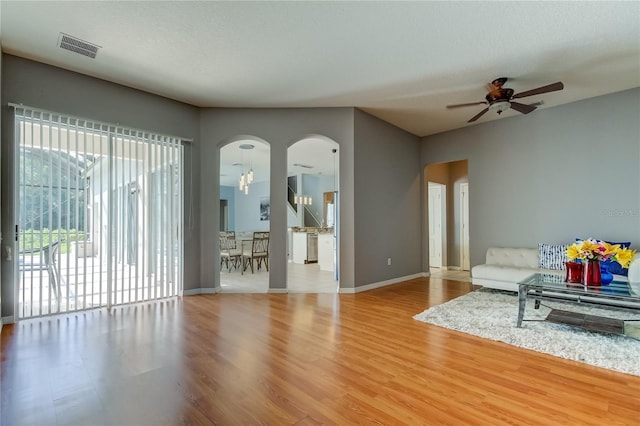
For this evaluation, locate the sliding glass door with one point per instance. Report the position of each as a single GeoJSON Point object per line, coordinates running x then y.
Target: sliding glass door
{"type": "Point", "coordinates": [99, 211]}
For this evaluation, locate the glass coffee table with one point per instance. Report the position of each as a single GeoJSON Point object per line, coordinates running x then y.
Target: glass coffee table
{"type": "Point", "coordinates": [616, 295]}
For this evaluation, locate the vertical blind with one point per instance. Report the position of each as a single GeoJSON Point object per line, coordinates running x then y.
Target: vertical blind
{"type": "Point", "coordinates": [99, 214]}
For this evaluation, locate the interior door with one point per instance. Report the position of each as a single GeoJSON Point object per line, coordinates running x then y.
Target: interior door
{"type": "Point", "coordinates": [435, 225]}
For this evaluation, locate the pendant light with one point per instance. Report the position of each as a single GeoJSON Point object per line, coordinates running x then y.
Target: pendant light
{"type": "Point", "coordinates": [246, 178]}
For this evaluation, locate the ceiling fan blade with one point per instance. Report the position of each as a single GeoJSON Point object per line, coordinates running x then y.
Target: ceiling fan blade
{"type": "Point", "coordinates": [525, 109]}
{"type": "Point", "coordinates": [480, 114]}
{"type": "Point", "coordinates": [544, 89]}
{"type": "Point", "coordinates": [465, 105]}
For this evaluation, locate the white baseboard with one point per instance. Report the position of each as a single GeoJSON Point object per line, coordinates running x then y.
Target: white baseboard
{"type": "Point", "coordinates": [7, 320]}
{"type": "Point", "coordinates": [383, 283]}
{"type": "Point", "coordinates": [278, 291]}
{"type": "Point", "coordinates": [454, 268]}
{"type": "Point", "coordinates": [196, 291]}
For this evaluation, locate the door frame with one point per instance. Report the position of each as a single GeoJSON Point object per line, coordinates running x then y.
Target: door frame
{"type": "Point", "coordinates": [465, 263]}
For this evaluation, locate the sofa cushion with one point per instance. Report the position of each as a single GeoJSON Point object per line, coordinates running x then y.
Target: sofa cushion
{"type": "Point", "coordinates": [552, 256]}
{"type": "Point", "coordinates": [514, 257]}
{"type": "Point", "coordinates": [634, 270]}
{"type": "Point", "coordinates": [512, 274]}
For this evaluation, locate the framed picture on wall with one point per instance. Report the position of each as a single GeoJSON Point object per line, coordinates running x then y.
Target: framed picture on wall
{"type": "Point", "coordinates": [265, 208]}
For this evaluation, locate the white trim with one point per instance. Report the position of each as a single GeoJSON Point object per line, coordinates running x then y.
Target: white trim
{"type": "Point", "coordinates": [278, 291]}
{"type": "Point", "coordinates": [196, 291]}
{"type": "Point", "coordinates": [7, 320]}
{"type": "Point", "coordinates": [454, 268]}
{"type": "Point", "coordinates": [383, 283]}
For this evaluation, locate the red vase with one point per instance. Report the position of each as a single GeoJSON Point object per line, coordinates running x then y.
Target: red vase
{"type": "Point", "coordinates": [591, 273]}
{"type": "Point", "coordinates": [574, 272]}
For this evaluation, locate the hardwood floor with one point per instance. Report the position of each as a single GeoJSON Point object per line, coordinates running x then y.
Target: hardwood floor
{"type": "Point", "coordinates": [293, 359]}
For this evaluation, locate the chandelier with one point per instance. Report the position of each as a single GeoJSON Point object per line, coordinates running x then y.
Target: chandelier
{"type": "Point", "coordinates": [246, 178]}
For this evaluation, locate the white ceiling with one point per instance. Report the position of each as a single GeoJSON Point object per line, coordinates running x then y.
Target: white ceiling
{"type": "Point", "coordinates": [401, 61]}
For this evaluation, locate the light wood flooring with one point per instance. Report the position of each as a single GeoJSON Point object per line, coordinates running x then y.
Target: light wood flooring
{"type": "Point", "coordinates": [293, 359]}
{"type": "Point", "coordinates": [305, 279]}
{"type": "Point", "coordinates": [450, 274]}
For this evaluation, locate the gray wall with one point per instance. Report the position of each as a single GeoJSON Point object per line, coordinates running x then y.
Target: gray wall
{"type": "Point", "coordinates": [387, 201]}
{"type": "Point", "coordinates": [315, 186]}
{"type": "Point", "coordinates": [550, 176]}
{"type": "Point", "coordinates": [247, 208]}
{"type": "Point", "coordinates": [229, 193]}
{"type": "Point", "coordinates": [280, 127]}
{"type": "Point", "coordinates": [46, 87]}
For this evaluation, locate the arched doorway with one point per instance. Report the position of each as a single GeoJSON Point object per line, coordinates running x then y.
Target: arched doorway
{"type": "Point", "coordinates": [245, 211]}
{"type": "Point", "coordinates": [312, 215]}
{"type": "Point", "coordinates": [447, 219]}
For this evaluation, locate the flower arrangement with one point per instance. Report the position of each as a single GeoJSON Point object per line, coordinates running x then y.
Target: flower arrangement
{"type": "Point", "coordinates": [600, 250]}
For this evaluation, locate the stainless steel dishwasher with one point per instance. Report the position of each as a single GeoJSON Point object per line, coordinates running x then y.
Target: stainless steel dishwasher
{"type": "Point", "coordinates": [312, 248]}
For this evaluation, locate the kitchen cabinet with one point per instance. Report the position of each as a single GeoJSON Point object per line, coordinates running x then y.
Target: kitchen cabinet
{"type": "Point", "coordinates": [305, 247]}
{"type": "Point", "coordinates": [325, 251]}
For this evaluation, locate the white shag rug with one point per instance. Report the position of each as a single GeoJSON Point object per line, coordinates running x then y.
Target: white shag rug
{"type": "Point", "coordinates": [493, 314]}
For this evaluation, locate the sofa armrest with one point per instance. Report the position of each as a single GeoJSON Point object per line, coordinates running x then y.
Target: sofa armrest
{"type": "Point", "coordinates": [634, 270]}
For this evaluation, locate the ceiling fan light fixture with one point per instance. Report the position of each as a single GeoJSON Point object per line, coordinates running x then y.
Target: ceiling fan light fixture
{"type": "Point", "coordinates": [500, 107]}
{"type": "Point", "coordinates": [500, 98]}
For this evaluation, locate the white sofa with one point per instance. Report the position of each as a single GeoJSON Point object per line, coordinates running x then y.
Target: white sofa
{"type": "Point", "coordinates": [505, 267]}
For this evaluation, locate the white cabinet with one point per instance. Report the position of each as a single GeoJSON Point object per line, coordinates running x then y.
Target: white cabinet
{"type": "Point", "coordinates": [305, 247]}
{"type": "Point", "coordinates": [325, 251]}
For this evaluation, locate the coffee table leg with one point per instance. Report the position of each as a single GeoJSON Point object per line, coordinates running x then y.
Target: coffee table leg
{"type": "Point", "coordinates": [522, 301]}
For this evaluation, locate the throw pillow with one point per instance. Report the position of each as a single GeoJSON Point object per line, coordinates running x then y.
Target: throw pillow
{"type": "Point", "coordinates": [552, 256]}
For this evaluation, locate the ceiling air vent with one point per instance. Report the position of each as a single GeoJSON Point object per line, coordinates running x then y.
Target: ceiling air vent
{"type": "Point", "coordinates": [304, 166]}
{"type": "Point", "coordinates": [78, 46]}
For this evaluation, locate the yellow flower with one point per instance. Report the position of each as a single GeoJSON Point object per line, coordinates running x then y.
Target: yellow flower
{"type": "Point", "coordinates": [600, 250]}
{"type": "Point", "coordinates": [573, 252]}
{"type": "Point", "coordinates": [624, 256]}
{"type": "Point", "coordinates": [610, 250]}
{"type": "Point", "coordinates": [591, 247]}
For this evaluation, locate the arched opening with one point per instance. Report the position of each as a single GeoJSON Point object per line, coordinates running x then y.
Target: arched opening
{"type": "Point", "coordinates": [245, 212]}
{"type": "Point", "coordinates": [313, 228]}
{"type": "Point", "coordinates": [447, 219]}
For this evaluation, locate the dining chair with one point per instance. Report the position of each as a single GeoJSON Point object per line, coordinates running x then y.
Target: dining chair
{"type": "Point", "coordinates": [230, 255]}
{"type": "Point", "coordinates": [259, 252]}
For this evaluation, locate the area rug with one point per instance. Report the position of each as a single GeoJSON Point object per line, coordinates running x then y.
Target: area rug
{"type": "Point", "coordinates": [492, 315]}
